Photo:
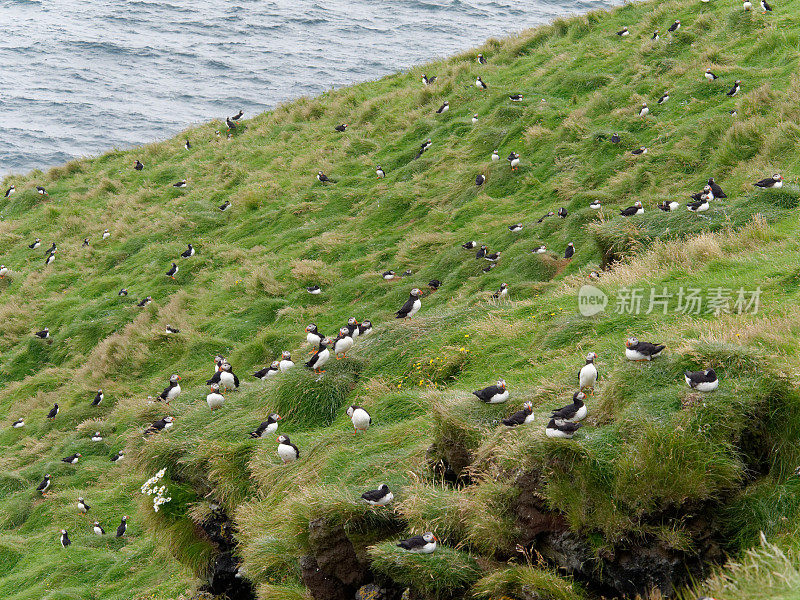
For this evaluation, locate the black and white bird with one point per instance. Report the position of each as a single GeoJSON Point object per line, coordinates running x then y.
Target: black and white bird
{"type": "Point", "coordinates": [187, 145]}
{"type": "Point", "coordinates": [715, 189]}
{"type": "Point", "coordinates": [563, 430]}
{"type": "Point", "coordinates": [286, 361]}
{"type": "Point", "coordinates": [548, 214]}
{"type": "Point", "coordinates": [144, 301]}
{"type": "Point", "coordinates": [170, 330]}
{"type": "Point", "coordinates": [562, 213]}
{"type": "Point", "coordinates": [495, 156]}
{"type": "Point", "coordinates": [475, 119]}
{"type": "Point", "coordinates": [675, 26]}
{"type": "Point", "coordinates": [380, 172]}
{"type": "Point", "coordinates": [82, 506]}
{"type": "Point", "coordinates": [138, 165]}
{"type": "Point", "coordinates": [230, 123]}
{"type": "Point", "coordinates": [266, 427]}
{"type": "Point", "coordinates": [639, 151]}
{"type": "Point", "coordinates": [669, 206]}
{"type": "Point", "coordinates": [480, 180]}
{"type": "Point", "coordinates": [11, 190]}
{"type": "Point", "coordinates": [710, 76]}
{"type": "Point", "coordinates": [520, 417]}
{"type": "Point", "coordinates": [227, 378]}
{"type": "Point", "coordinates": [287, 451]}
{"type": "Point", "coordinates": [172, 391]}
{"type": "Point", "coordinates": [424, 147]}
{"type": "Point", "coordinates": [623, 32]}
{"type": "Point", "coordinates": [489, 267]}
{"type": "Point", "coordinates": [97, 437]}
{"type": "Point", "coordinates": [72, 459]}
{"type": "Point", "coordinates": [123, 526]}
{"type": "Point", "coordinates": [342, 343]}
{"type": "Point", "coordinates": [663, 98]}
{"type": "Point", "coordinates": [428, 80]}
{"type": "Point", "coordinates": [85, 242]}
{"type": "Point", "coordinates": [706, 192]}
{"type": "Point", "coordinates": [515, 228]}
{"type": "Point", "coordinates": [468, 245]}
{"type": "Point", "coordinates": [776, 181]}
{"type": "Point", "coordinates": [173, 270]}
{"type": "Point", "coordinates": [643, 111]}
{"type": "Point", "coordinates": [123, 292]}
{"type": "Point", "coordinates": [269, 371]}
{"type": "Point", "coordinates": [481, 253]}
{"type": "Point", "coordinates": [615, 139]}
{"type": "Point", "coordinates": [494, 394]}
{"type": "Point", "coordinates": [36, 243]}
{"type": "Point", "coordinates": [420, 544]}
{"type": "Point", "coordinates": [698, 206]}
{"type": "Point", "coordinates": [412, 305]}
{"type": "Point", "coordinates": [596, 204]}
{"type": "Point", "coordinates": [65, 538]}
{"type": "Point", "coordinates": [380, 497]}
{"type": "Point", "coordinates": [735, 89]}
{"type": "Point", "coordinates": [44, 485]}
{"type": "Point", "coordinates": [359, 417]}
{"type": "Point", "coordinates": [214, 399]}
{"type": "Point", "coordinates": [225, 205]}
{"type": "Point", "coordinates": [19, 423]}
{"type": "Point", "coordinates": [481, 59]}
{"type": "Point", "coordinates": [341, 128]}
{"type": "Point", "coordinates": [160, 425]}
{"type": "Point", "coordinates": [747, 5]}
{"type": "Point", "coordinates": [313, 336]}
{"type": "Point", "coordinates": [98, 529]}
{"type": "Point", "coordinates": [636, 350]}
{"type": "Point", "coordinates": [43, 334]}
{"type": "Point", "coordinates": [50, 258]}
{"type": "Point", "coordinates": [365, 327]}
{"type": "Point", "coordinates": [636, 209]}
{"type": "Point", "coordinates": [540, 250]}
{"type": "Point", "coordinates": [118, 456]}
{"type": "Point", "coordinates": [106, 234]}
{"type": "Point", "coordinates": [570, 250]}
{"type": "Point", "coordinates": [702, 381]}
{"type": "Point", "coordinates": [352, 327]}
{"type": "Point", "coordinates": [238, 115]}
{"type": "Point", "coordinates": [493, 257]}
{"type": "Point", "coordinates": [480, 84]}
{"type": "Point", "coordinates": [765, 7]}
{"type": "Point", "coordinates": [443, 108]}
{"type": "Point", "coordinates": [42, 191]}
{"type": "Point", "coordinates": [98, 397]}
{"type": "Point", "coordinates": [572, 413]}
{"type": "Point", "coordinates": [53, 412]}
{"type": "Point", "coordinates": [321, 356]}
{"type": "Point", "coordinates": [314, 290]}
{"type": "Point", "coordinates": [587, 376]}
{"type": "Point", "coordinates": [321, 177]}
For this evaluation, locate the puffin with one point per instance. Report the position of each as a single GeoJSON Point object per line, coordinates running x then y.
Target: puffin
{"type": "Point", "coordinates": [480, 179]}
{"type": "Point", "coordinates": [702, 381]}
{"type": "Point", "coordinates": [187, 145]}
{"type": "Point", "coordinates": [639, 151]}
{"type": "Point", "coordinates": [546, 215]}
{"type": "Point", "coordinates": [413, 304]}
{"type": "Point", "coordinates": [11, 190]}
{"type": "Point", "coordinates": [172, 271]}
{"type": "Point", "coordinates": [587, 376]}
{"type": "Point", "coordinates": [710, 76]}
{"type": "Point", "coordinates": [675, 26]}
{"type": "Point", "coordinates": [715, 189]}
{"type": "Point", "coordinates": [502, 293]}
{"type": "Point", "coordinates": [322, 178]}
{"type": "Point", "coordinates": [663, 98]}
{"type": "Point", "coordinates": [19, 423]}
{"type": "Point", "coordinates": [97, 437]}
{"type": "Point", "coordinates": [225, 205]}
{"type": "Point", "coordinates": [172, 390]}
{"type": "Point", "coordinates": [159, 425]}
{"type": "Point", "coordinates": [287, 451]}
{"type": "Point", "coordinates": [106, 234]}
{"type": "Point", "coordinates": [596, 204]}
{"type": "Point", "coordinates": [341, 128]}
{"type": "Point", "coordinates": [420, 544]}
{"type": "Point", "coordinates": [480, 84]}
{"type": "Point", "coordinates": [42, 191]}
{"type": "Point", "coordinates": [123, 292]}
{"type": "Point", "coordinates": [360, 418]}
{"type": "Point", "coordinates": [481, 59]}
{"type": "Point", "coordinates": [765, 8]}
{"type": "Point", "coordinates": [267, 427]}
{"type": "Point", "coordinates": [516, 97]}
{"type": "Point", "coordinates": [180, 184]}
{"type": "Point", "coordinates": [230, 123]}
{"type": "Point", "coordinates": [668, 206]}
{"type": "Point", "coordinates": [72, 459]}
{"type": "Point", "coordinates": [636, 350]}
{"type": "Point", "coordinates": [380, 497]}
{"type": "Point", "coordinates": [65, 538]}
{"type": "Point", "coordinates": [475, 119]}
{"type": "Point", "coordinates": [636, 209]}
{"type": "Point", "coordinates": [118, 456]}
{"type": "Point", "coordinates": [481, 253]}
{"type": "Point", "coordinates": [443, 108]}
{"type": "Point", "coordinates": [85, 242]}
{"type": "Point", "coordinates": [540, 250]}
{"type": "Point", "coordinates": [698, 205]}
{"type": "Point", "coordinates": [36, 243]}
{"type": "Point", "coordinates": [44, 485]}
{"type": "Point", "coordinates": [572, 413]}
{"type": "Point", "coordinates": [342, 343]}
{"type": "Point", "coordinates": [314, 290]}
{"type": "Point", "coordinates": [50, 258]}
{"type": "Point", "coordinates": [227, 377]}
{"type": "Point", "coordinates": [82, 506]}
{"type": "Point", "coordinates": [561, 430]}
{"type": "Point", "coordinates": [515, 228]}
{"type": "Point", "coordinates": [494, 257]}
{"type": "Point", "coordinates": [321, 356]}
{"type": "Point", "coordinates": [352, 327]}
{"type": "Point", "coordinates": [468, 245]}
{"type": "Point", "coordinates": [735, 89]}
{"type": "Point", "coordinates": [489, 267]}
{"type": "Point", "coordinates": [169, 329]}
{"type": "Point", "coordinates": [428, 80]}
{"type": "Point", "coordinates": [623, 32]}
{"type": "Point", "coordinates": [380, 172]}
{"type": "Point", "coordinates": [389, 275]}
{"type": "Point", "coordinates": [434, 284]}
{"type": "Point", "coordinates": [520, 417]}
{"type": "Point", "coordinates": [144, 301]}
{"type": "Point", "coordinates": [286, 362]}
{"type": "Point", "coordinates": [644, 110]}
{"type": "Point", "coordinates": [123, 526]}
{"type": "Point", "coordinates": [98, 529]}
{"type": "Point", "coordinates": [138, 165]}
{"type": "Point", "coordinates": [313, 336]}
{"type": "Point", "coordinates": [269, 371]}
{"type": "Point", "coordinates": [188, 252]}
{"type": "Point", "coordinates": [365, 327]}
{"type": "Point", "coordinates": [238, 115]}
{"type": "Point", "coordinates": [423, 147]}
{"type": "Point", "coordinates": [569, 252]}
{"type": "Point", "coordinates": [513, 161]}
{"type": "Point", "coordinates": [214, 399]}
{"type": "Point", "coordinates": [495, 156]}
{"type": "Point", "coordinates": [53, 412]}
{"type": "Point", "coordinates": [494, 394]}
{"type": "Point", "coordinates": [747, 5]}
{"type": "Point", "coordinates": [43, 334]}
{"type": "Point", "coordinates": [776, 181]}
{"type": "Point", "coordinates": [615, 139]}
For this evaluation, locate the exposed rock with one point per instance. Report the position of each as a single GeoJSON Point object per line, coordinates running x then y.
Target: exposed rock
{"type": "Point", "coordinates": [373, 591]}
{"type": "Point", "coordinates": [321, 586]}
{"type": "Point", "coordinates": [333, 570]}
{"type": "Point", "coordinates": [532, 516]}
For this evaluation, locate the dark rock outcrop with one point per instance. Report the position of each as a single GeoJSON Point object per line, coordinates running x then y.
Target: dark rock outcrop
{"type": "Point", "coordinates": [333, 570]}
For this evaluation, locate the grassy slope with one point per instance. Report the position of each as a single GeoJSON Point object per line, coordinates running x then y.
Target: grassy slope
{"type": "Point", "coordinates": [242, 296]}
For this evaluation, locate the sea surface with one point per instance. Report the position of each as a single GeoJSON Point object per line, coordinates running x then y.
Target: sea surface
{"type": "Point", "coordinates": [78, 77]}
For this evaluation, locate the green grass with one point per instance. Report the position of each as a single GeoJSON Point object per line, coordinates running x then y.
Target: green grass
{"type": "Point", "coordinates": [653, 459]}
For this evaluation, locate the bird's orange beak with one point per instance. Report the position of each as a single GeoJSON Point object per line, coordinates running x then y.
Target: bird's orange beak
{"type": "Point", "coordinates": [278, 418]}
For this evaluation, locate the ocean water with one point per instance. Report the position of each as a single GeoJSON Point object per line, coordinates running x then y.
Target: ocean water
{"type": "Point", "coordinates": [79, 77]}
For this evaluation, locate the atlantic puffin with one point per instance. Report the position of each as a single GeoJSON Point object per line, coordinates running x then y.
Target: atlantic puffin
{"type": "Point", "coordinates": [172, 390]}
{"type": "Point", "coordinates": [481, 252]}
{"type": "Point", "coordinates": [286, 362]}
{"type": "Point", "coordinates": [313, 336]}
{"type": "Point", "coordinates": [428, 80]}
{"type": "Point", "coordinates": [287, 451]}
{"type": "Point", "coordinates": [540, 250]}
{"type": "Point", "coordinates": [118, 456]}
{"type": "Point", "coordinates": [564, 430]}
{"type": "Point", "coordinates": [420, 544]}
{"type": "Point", "coordinates": [675, 26]}
{"type": "Point", "coordinates": [380, 497]}
{"type": "Point", "coordinates": [735, 89]}
{"type": "Point", "coordinates": [98, 529]}
{"type": "Point", "coordinates": [587, 376]}
{"type": "Point", "coordinates": [123, 526]}
{"type": "Point", "coordinates": [188, 252]}
{"type": "Point", "coordinates": [481, 59]}
{"type": "Point", "coordinates": [480, 179]}
{"type": "Point", "coordinates": [776, 181]}
{"type": "Point", "coordinates": [639, 151]}
{"type": "Point", "coordinates": [516, 97]}
{"type": "Point", "coordinates": [623, 32]}
{"type": "Point", "coordinates": [50, 258]}
{"type": "Point", "coordinates": [513, 161]}
{"type": "Point", "coordinates": [53, 412]}
{"type": "Point", "coordinates": [698, 205]}
{"type": "Point", "coordinates": [321, 356]}
{"type": "Point", "coordinates": [515, 228]}
{"type": "Point", "coordinates": [85, 242]}
{"type": "Point", "coordinates": [663, 98]}
{"type": "Point", "coordinates": [82, 506]}
{"type": "Point", "coordinates": [138, 165]}
{"type": "Point", "coordinates": [44, 485]}
{"type": "Point", "coordinates": [123, 292]}
{"type": "Point", "coordinates": [615, 139]}
{"type": "Point", "coordinates": [180, 184]}
{"type": "Point", "coordinates": [569, 252]}
{"type": "Point", "coordinates": [669, 206]}
{"type": "Point", "coordinates": [475, 119]}
{"type": "Point", "coordinates": [636, 350]}
{"type": "Point", "coordinates": [342, 343]}
{"type": "Point", "coordinates": [322, 178]}
{"type": "Point", "coordinates": [520, 417]}
{"type": "Point", "coordinates": [636, 209]}
{"type": "Point", "coordinates": [173, 270]}
{"type": "Point", "coordinates": [352, 327]}
{"type": "Point", "coordinates": [314, 290]}
{"type": "Point", "coordinates": [443, 108]}
{"type": "Point", "coordinates": [365, 327]}
{"type": "Point", "coordinates": [238, 115]}
{"type": "Point", "coordinates": [187, 145]}
{"type": "Point", "coordinates": [65, 538]}
{"type": "Point", "coordinates": [97, 437]}
{"type": "Point", "coordinates": [468, 245]}
{"type": "Point", "coordinates": [702, 381]}
{"type": "Point", "coordinates": [269, 371]}
{"type": "Point", "coordinates": [596, 205]}
{"type": "Point", "coordinates": [11, 190]}
{"type": "Point", "coordinates": [489, 267]}
{"type": "Point", "coordinates": [716, 189]}
{"type": "Point", "coordinates": [495, 156]}
{"type": "Point", "coordinates": [225, 205]}
{"type": "Point", "coordinates": [434, 284]}
{"type": "Point", "coordinates": [765, 7]}
{"type": "Point", "coordinates": [643, 111]}
{"type": "Point", "coordinates": [230, 124]}
{"type": "Point", "coordinates": [494, 394]}
{"type": "Point", "coordinates": [159, 425]}
{"type": "Point", "coordinates": [170, 330]}
{"type": "Point", "coordinates": [413, 304]}
{"type": "Point", "coordinates": [493, 257]}
{"type": "Point", "coordinates": [36, 243]}
{"type": "Point", "coordinates": [227, 377]}
{"type": "Point", "coordinates": [72, 459]}
{"type": "Point", "coordinates": [380, 172]}
{"type": "Point", "coordinates": [214, 399]}
{"type": "Point", "coordinates": [546, 215]}
{"type": "Point", "coordinates": [480, 84]}
{"type": "Point", "coordinates": [709, 75]}
{"type": "Point", "coordinates": [266, 427]}
{"type": "Point", "coordinates": [502, 293]}
{"type": "Point", "coordinates": [341, 128]}
{"type": "Point", "coordinates": [4, 270]}
{"type": "Point", "coordinates": [144, 301]}
{"type": "Point", "coordinates": [18, 423]}
{"type": "Point", "coordinates": [572, 413]}
{"type": "Point", "coordinates": [423, 147]}
{"type": "Point", "coordinates": [747, 5]}
{"type": "Point", "coordinates": [42, 191]}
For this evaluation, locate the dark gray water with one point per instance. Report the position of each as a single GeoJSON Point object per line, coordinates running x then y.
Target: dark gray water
{"type": "Point", "coordinates": [79, 77]}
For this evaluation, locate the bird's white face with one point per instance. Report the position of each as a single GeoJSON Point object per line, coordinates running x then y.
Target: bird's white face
{"type": "Point", "coordinates": [591, 356]}
{"type": "Point", "coordinates": [275, 417]}
{"type": "Point", "coordinates": [352, 321]}
{"type": "Point", "coordinates": [631, 341]}
{"type": "Point", "coordinates": [429, 538]}
{"type": "Point", "coordinates": [528, 406]}
{"type": "Point", "coordinates": [276, 364]}
{"type": "Point", "coordinates": [286, 354]}
{"type": "Point", "coordinates": [168, 419]}
{"type": "Point", "coordinates": [215, 388]}
{"type": "Point", "coordinates": [174, 379]}
{"type": "Point", "coordinates": [282, 439]}
{"type": "Point", "coordinates": [501, 383]}
{"type": "Point", "coordinates": [343, 331]}
{"type": "Point", "coordinates": [350, 411]}
{"type": "Point", "coordinates": [416, 293]}
{"type": "Point", "coordinates": [311, 328]}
